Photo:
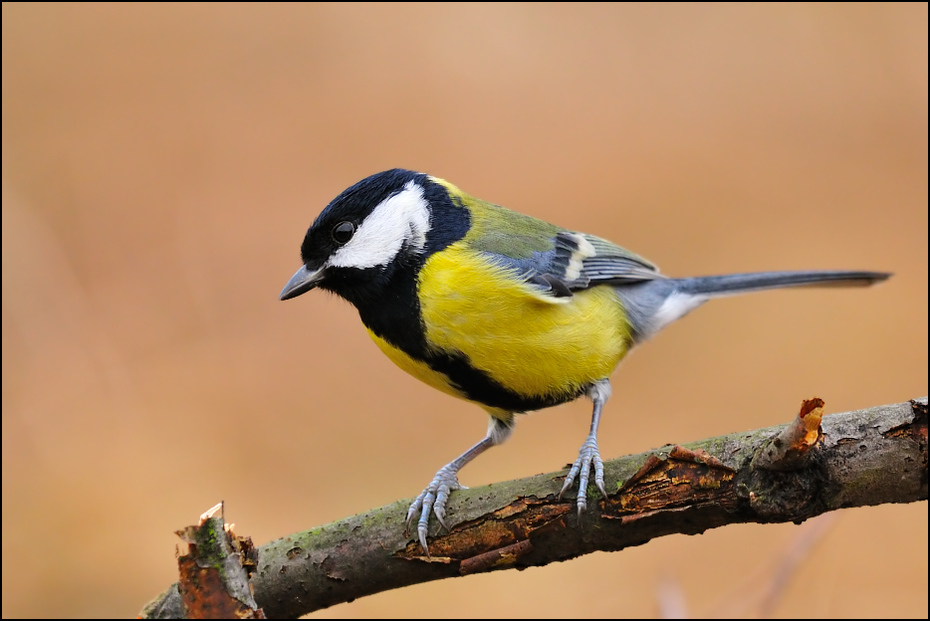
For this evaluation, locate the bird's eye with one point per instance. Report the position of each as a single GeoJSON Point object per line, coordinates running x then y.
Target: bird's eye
{"type": "Point", "coordinates": [343, 232]}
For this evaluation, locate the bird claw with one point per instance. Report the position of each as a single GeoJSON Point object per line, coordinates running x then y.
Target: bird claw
{"type": "Point", "coordinates": [587, 455]}
{"type": "Point", "coordinates": [433, 500]}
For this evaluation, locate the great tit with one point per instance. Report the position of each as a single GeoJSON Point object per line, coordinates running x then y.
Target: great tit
{"type": "Point", "coordinates": [498, 308]}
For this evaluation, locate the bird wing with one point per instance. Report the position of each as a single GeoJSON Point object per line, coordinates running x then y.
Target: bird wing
{"type": "Point", "coordinates": [577, 261]}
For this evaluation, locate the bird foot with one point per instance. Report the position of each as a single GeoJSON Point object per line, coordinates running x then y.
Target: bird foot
{"type": "Point", "coordinates": [587, 456]}
{"type": "Point", "coordinates": [433, 499]}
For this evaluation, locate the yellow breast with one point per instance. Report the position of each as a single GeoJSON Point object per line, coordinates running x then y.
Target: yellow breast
{"type": "Point", "coordinates": [527, 342]}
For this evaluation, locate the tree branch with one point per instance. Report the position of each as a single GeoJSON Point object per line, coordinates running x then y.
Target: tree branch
{"type": "Point", "coordinates": [865, 457]}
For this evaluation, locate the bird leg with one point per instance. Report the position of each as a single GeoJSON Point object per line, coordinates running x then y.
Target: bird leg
{"type": "Point", "coordinates": [589, 454]}
{"type": "Point", "coordinates": [434, 497]}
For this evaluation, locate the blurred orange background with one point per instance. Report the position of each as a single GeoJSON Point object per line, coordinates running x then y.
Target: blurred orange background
{"type": "Point", "coordinates": [162, 162]}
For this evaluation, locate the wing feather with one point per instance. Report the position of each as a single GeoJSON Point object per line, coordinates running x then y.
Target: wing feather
{"type": "Point", "coordinates": [577, 261]}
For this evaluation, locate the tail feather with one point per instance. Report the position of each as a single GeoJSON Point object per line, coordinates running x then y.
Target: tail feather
{"type": "Point", "coordinates": [732, 284]}
{"type": "Point", "coordinates": [652, 305]}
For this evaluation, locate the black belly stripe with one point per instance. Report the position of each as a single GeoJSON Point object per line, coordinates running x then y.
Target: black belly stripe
{"type": "Point", "coordinates": [396, 319]}
{"type": "Point", "coordinates": [479, 386]}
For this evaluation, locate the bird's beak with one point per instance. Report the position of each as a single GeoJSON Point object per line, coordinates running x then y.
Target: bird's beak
{"type": "Point", "coordinates": [304, 280]}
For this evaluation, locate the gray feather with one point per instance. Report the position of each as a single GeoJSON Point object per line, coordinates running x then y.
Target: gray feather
{"type": "Point", "coordinates": [652, 305]}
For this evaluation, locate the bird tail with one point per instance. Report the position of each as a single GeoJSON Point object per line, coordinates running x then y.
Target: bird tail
{"type": "Point", "coordinates": [654, 304]}
{"type": "Point", "coordinates": [732, 284]}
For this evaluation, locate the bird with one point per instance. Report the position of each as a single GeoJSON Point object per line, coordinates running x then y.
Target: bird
{"type": "Point", "coordinates": [498, 308]}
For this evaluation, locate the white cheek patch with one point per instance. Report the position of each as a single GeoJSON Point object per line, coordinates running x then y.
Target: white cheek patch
{"type": "Point", "coordinates": [401, 218]}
